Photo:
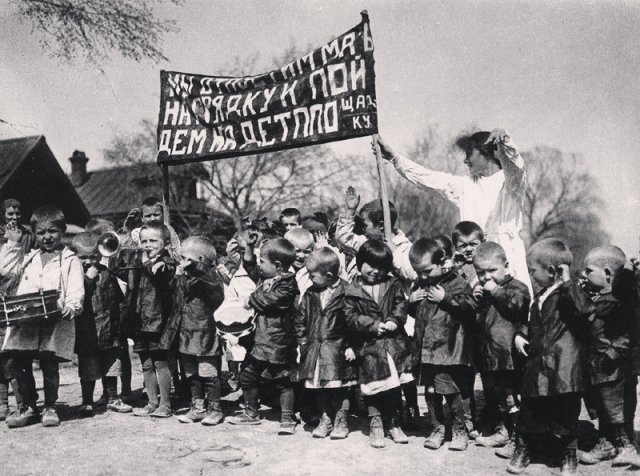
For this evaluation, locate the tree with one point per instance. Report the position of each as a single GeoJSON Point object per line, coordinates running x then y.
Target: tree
{"type": "Point", "coordinates": [91, 29]}
{"type": "Point", "coordinates": [562, 201]}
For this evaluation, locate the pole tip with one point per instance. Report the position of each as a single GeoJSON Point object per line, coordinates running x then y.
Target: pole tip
{"type": "Point", "coordinates": [365, 15]}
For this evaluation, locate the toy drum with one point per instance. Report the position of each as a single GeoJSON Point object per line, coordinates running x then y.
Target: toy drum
{"type": "Point", "coordinates": [31, 308]}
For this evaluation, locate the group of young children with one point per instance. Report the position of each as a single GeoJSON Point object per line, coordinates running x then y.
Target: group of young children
{"type": "Point", "coordinates": [332, 316]}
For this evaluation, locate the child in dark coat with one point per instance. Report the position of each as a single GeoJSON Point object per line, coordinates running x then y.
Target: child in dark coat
{"type": "Point", "coordinates": [375, 310]}
{"type": "Point", "coordinates": [442, 306]}
{"type": "Point", "coordinates": [608, 301]}
{"type": "Point", "coordinates": [274, 349]}
{"type": "Point", "coordinates": [153, 305]}
{"type": "Point", "coordinates": [325, 356]}
{"type": "Point", "coordinates": [191, 329]}
{"type": "Point", "coordinates": [97, 328]}
{"type": "Point", "coordinates": [553, 379]}
{"type": "Point", "coordinates": [503, 309]}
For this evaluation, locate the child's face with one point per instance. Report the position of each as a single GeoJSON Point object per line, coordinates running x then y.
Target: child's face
{"type": "Point", "coordinates": [88, 255]}
{"type": "Point", "coordinates": [322, 279]}
{"type": "Point", "coordinates": [466, 246]}
{"type": "Point", "coordinates": [302, 254]}
{"type": "Point", "coordinates": [151, 214]}
{"type": "Point", "coordinates": [541, 275]}
{"type": "Point", "coordinates": [290, 223]}
{"type": "Point", "coordinates": [152, 242]}
{"type": "Point", "coordinates": [595, 276]}
{"type": "Point", "coordinates": [12, 215]}
{"type": "Point", "coordinates": [269, 268]}
{"type": "Point", "coordinates": [491, 269]}
{"type": "Point", "coordinates": [48, 236]}
{"type": "Point", "coordinates": [371, 274]}
{"type": "Point", "coordinates": [428, 272]}
{"type": "Point", "coordinates": [371, 231]}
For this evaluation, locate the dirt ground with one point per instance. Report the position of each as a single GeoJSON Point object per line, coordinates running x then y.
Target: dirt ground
{"type": "Point", "coordinates": [111, 443]}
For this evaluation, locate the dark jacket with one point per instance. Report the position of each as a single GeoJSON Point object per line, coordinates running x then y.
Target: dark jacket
{"type": "Point", "coordinates": [97, 328]}
{"type": "Point", "coordinates": [191, 328]}
{"type": "Point", "coordinates": [321, 334]}
{"type": "Point", "coordinates": [610, 323]}
{"type": "Point", "coordinates": [635, 325]}
{"type": "Point", "coordinates": [555, 362]}
{"type": "Point", "coordinates": [443, 330]}
{"type": "Point", "coordinates": [155, 295]}
{"type": "Point", "coordinates": [500, 314]}
{"type": "Point", "coordinates": [364, 316]}
{"type": "Point", "coordinates": [274, 303]}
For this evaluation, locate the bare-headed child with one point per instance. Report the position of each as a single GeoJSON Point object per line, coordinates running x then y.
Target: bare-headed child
{"type": "Point", "coordinates": [375, 307]}
{"type": "Point", "coordinates": [441, 303]}
{"type": "Point", "coordinates": [466, 237]}
{"type": "Point", "coordinates": [191, 329]}
{"type": "Point", "coordinates": [290, 218]}
{"type": "Point", "coordinates": [50, 266]}
{"type": "Point", "coordinates": [503, 309]}
{"type": "Point", "coordinates": [150, 212]}
{"type": "Point", "coordinates": [154, 302]}
{"type": "Point", "coordinates": [274, 349]}
{"type": "Point", "coordinates": [321, 330]}
{"type": "Point", "coordinates": [98, 341]}
{"type": "Point", "coordinates": [304, 243]}
{"type": "Point", "coordinates": [553, 379]}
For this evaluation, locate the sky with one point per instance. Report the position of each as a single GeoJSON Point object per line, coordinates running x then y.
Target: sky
{"type": "Point", "coordinates": [557, 73]}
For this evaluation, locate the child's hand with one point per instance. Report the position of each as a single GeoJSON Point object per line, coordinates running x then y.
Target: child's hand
{"type": "Point", "coordinates": [130, 221]}
{"type": "Point", "coordinates": [521, 344]}
{"type": "Point", "coordinates": [436, 293]}
{"type": "Point", "coordinates": [13, 232]}
{"type": "Point", "coordinates": [490, 285]}
{"type": "Point", "coordinates": [321, 238]}
{"type": "Point", "coordinates": [350, 355]}
{"type": "Point", "coordinates": [382, 328]}
{"type": "Point", "coordinates": [351, 199]}
{"type": "Point", "coordinates": [67, 313]}
{"type": "Point", "coordinates": [91, 272]}
{"type": "Point", "coordinates": [497, 136]}
{"type": "Point", "coordinates": [183, 264]}
{"type": "Point", "coordinates": [418, 295]}
{"type": "Point", "coordinates": [390, 326]}
{"type": "Point", "coordinates": [159, 266]}
{"type": "Point", "coordinates": [478, 291]}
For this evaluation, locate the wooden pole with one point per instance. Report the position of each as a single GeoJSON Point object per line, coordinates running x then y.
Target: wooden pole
{"type": "Point", "coordinates": [165, 193]}
{"type": "Point", "coordinates": [384, 193]}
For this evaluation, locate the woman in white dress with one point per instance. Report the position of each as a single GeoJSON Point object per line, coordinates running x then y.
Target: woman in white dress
{"type": "Point", "coordinates": [491, 195]}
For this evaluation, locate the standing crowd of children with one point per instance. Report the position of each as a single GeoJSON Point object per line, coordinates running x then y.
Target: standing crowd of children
{"type": "Point", "coordinates": [319, 318]}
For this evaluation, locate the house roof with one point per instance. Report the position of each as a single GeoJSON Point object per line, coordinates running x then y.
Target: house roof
{"type": "Point", "coordinates": [119, 189]}
{"type": "Point", "coordinates": [13, 152]}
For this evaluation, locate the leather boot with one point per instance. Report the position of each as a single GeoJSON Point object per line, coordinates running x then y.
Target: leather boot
{"type": "Point", "coordinates": [340, 426]}
{"type": "Point", "coordinates": [521, 457]}
{"type": "Point", "coordinates": [569, 462]}
{"type": "Point", "coordinates": [376, 432]}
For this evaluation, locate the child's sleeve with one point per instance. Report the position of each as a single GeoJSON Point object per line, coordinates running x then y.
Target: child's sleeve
{"type": "Point", "coordinates": [460, 304]}
{"type": "Point", "coordinates": [575, 305]}
{"type": "Point", "coordinates": [513, 166]}
{"type": "Point", "coordinates": [276, 297]}
{"type": "Point", "coordinates": [346, 238]}
{"type": "Point", "coordinates": [300, 324]}
{"type": "Point", "coordinates": [252, 269]}
{"type": "Point", "coordinates": [398, 312]}
{"type": "Point", "coordinates": [449, 186]}
{"type": "Point", "coordinates": [356, 322]}
{"type": "Point", "coordinates": [512, 303]}
{"type": "Point", "coordinates": [10, 261]}
{"type": "Point", "coordinates": [74, 292]}
{"type": "Point", "coordinates": [402, 264]}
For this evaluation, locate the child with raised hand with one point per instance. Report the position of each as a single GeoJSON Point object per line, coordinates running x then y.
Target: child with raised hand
{"type": "Point", "coordinates": [375, 310]}
{"type": "Point", "coordinates": [150, 213]}
{"type": "Point", "coordinates": [191, 329]}
{"type": "Point", "coordinates": [553, 378]}
{"type": "Point", "coordinates": [50, 266]}
{"type": "Point", "coordinates": [503, 309]}
{"type": "Point", "coordinates": [609, 302]}
{"type": "Point", "coordinates": [466, 237]}
{"type": "Point", "coordinates": [369, 223]}
{"type": "Point", "coordinates": [274, 348]}
{"type": "Point", "coordinates": [154, 302]}
{"type": "Point", "coordinates": [97, 328]}
{"type": "Point", "coordinates": [321, 330]}
{"type": "Point", "coordinates": [442, 305]}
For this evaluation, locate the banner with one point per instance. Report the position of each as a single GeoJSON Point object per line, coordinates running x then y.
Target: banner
{"type": "Point", "coordinates": [327, 95]}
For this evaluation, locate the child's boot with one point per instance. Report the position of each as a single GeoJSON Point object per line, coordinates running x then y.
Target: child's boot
{"type": "Point", "coordinates": [27, 415]}
{"type": "Point", "coordinates": [396, 433]}
{"type": "Point", "coordinates": [459, 440]}
{"type": "Point", "coordinates": [196, 413]}
{"type": "Point", "coordinates": [498, 439]}
{"type": "Point", "coordinates": [214, 415]}
{"type": "Point", "coordinates": [340, 426]}
{"type": "Point", "coordinates": [376, 432]}
{"type": "Point", "coordinates": [625, 450]}
{"type": "Point", "coordinates": [50, 417]}
{"type": "Point", "coordinates": [602, 451]}
{"type": "Point", "coordinates": [569, 462]}
{"type": "Point", "coordinates": [287, 426]}
{"type": "Point", "coordinates": [508, 450]}
{"type": "Point", "coordinates": [249, 415]}
{"type": "Point", "coordinates": [324, 428]}
{"type": "Point", "coordinates": [521, 457]}
{"type": "Point", "coordinates": [436, 439]}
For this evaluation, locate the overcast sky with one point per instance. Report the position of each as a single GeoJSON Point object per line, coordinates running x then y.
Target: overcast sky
{"type": "Point", "coordinates": [565, 74]}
